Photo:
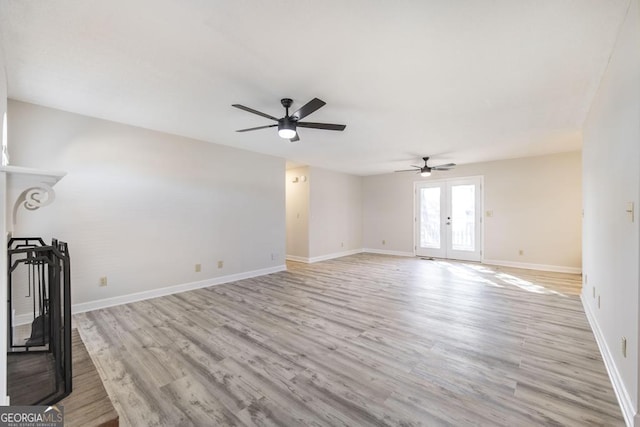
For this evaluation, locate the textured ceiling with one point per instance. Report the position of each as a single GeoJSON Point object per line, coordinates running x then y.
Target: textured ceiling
{"type": "Point", "coordinates": [462, 81]}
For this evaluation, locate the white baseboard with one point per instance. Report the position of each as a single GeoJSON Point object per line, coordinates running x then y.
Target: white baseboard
{"type": "Point", "coordinates": [323, 257]}
{"type": "Point", "coordinates": [22, 319]}
{"type": "Point", "coordinates": [528, 266]}
{"type": "Point", "coordinates": [5, 401]}
{"type": "Point", "coordinates": [334, 255]}
{"type": "Point", "coordinates": [624, 400]}
{"type": "Point", "coordinates": [386, 252]}
{"type": "Point", "coordinates": [154, 293]}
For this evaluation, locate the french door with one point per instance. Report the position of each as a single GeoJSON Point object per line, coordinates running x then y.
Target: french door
{"type": "Point", "coordinates": [448, 219]}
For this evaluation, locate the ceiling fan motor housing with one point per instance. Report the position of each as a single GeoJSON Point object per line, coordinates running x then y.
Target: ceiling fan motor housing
{"type": "Point", "coordinates": [285, 123]}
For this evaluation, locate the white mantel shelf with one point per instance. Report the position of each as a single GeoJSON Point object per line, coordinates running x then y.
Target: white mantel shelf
{"type": "Point", "coordinates": [31, 173]}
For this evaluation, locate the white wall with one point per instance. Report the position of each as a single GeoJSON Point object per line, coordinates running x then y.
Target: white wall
{"type": "Point", "coordinates": [3, 243]}
{"type": "Point", "coordinates": [324, 214]}
{"type": "Point", "coordinates": [335, 224]}
{"type": "Point", "coordinates": [611, 156]}
{"type": "Point", "coordinates": [143, 207]}
{"type": "Point", "coordinates": [536, 205]}
{"type": "Point", "coordinates": [297, 194]}
{"type": "Point", "coordinates": [3, 83]}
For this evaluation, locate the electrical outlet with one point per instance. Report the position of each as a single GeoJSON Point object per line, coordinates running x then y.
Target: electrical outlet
{"type": "Point", "coordinates": [220, 264]}
{"type": "Point", "coordinates": [630, 210]}
{"type": "Point", "coordinates": [594, 291]}
{"type": "Point", "coordinates": [384, 242]}
{"type": "Point", "coordinates": [624, 347]}
{"type": "Point", "coordinates": [342, 244]}
{"type": "Point", "coordinates": [198, 268]}
{"type": "Point", "coordinates": [586, 279]}
{"type": "Point", "coordinates": [103, 281]}
{"type": "Point", "coordinates": [520, 252]}
{"type": "Point", "coordinates": [274, 256]}
{"type": "Point", "coordinates": [598, 301]}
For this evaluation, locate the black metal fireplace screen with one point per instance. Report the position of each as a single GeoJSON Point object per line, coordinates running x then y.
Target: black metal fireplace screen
{"type": "Point", "coordinates": [39, 321]}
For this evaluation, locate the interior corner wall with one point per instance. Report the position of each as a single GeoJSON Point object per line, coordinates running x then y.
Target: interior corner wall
{"type": "Point", "coordinates": [335, 222]}
{"type": "Point", "coordinates": [611, 156]}
{"type": "Point", "coordinates": [3, 243]}
{"type": "Point", "coordinates": [297, 221]}
{"type": "Point", "coordinates": [3, 82]}
{"type": "Point", "coordinates": [535, 204]}
{"type": "Point", "coordinates": [142, 207]}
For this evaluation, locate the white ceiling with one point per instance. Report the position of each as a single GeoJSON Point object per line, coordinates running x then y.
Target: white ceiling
{"type": "Point", "coordinates": [462, 81]}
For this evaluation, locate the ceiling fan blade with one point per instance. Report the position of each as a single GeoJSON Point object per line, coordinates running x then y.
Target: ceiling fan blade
{"type": "Point", "coordinates": [295, 138]}
{"type": "Point", "coordinates": [251, 110]}
{"type": "Point", "coordinates": [325, 126]}
{"type": "Point", "coordinates": [308, 108]}
{"type": "Point", "coordinates": [259, 127]}
{"type": "Point", "coordinates": [417, 167]}
{"type": "Point", "coordinates": [408, 170]}
{"type": "Point", "coordinates": [444, 167]}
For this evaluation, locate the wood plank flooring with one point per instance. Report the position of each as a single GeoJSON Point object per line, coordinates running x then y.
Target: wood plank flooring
{"type": "Point", "coordinates": [30, 377]}
{"type": "Point", "coordinates": [88, 405]}
{"type": "Point", "coordinates": [358, 341]}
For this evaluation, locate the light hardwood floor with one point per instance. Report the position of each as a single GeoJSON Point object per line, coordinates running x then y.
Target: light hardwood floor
{"type": "Point", "coordinates": [88, 404]}
{"type": "Point", "coordinates": [361, 340]}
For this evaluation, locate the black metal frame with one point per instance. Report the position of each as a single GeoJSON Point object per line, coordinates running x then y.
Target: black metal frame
{"type": "Point", "coordinates": [49, 267]}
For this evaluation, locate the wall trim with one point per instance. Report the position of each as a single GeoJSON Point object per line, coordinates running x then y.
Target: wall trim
{"type": "Point", "coordinates": [386, 252]}
{"type": "Point", "coordinates": [529, 266]}
{"type": "Point", "coordinates": [334, 255]}
{"type": "Point", "coordinates": [22, 319]}
{"type": "Point", "coordinates": [312, 260]}
{"type": "Point", "coordinates": [624, 400]}
{"type": "Point", "coordinates": [154, 293]}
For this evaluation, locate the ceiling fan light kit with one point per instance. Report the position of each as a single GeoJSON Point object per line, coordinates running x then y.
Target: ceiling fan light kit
{"type": "Point", "coordinates": [286, 129]}
{"type": "Point", "coordinates": [286, 133]}
{"type": "Point", "coordinates": [287, 125]}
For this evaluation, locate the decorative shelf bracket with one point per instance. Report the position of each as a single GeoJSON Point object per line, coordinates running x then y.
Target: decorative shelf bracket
{"type": "Point", "coordinates": [34, 198]}
{"type": "Point", "coordinates": [27, 188]}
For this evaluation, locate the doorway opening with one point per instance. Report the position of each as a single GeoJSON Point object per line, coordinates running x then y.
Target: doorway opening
{"type": "Point", "coordinates": [448, 219]}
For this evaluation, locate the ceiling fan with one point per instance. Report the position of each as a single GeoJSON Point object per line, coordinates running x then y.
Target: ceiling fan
{"type": "Point", "coordinates": [287, 125]}
{"type": "Point", "coordinates": [426, 170]}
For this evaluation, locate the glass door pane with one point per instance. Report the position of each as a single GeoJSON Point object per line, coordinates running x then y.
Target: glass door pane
{"type": "Point", "coordinates": [447, 218]}
{"type": "Point", "coordinates": [463, 217]}
{"type": "Point", "coordinates": [430, 218]}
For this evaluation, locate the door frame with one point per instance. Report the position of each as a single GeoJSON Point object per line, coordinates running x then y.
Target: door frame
{"type": "Point", "coordinates": [444, 181]}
